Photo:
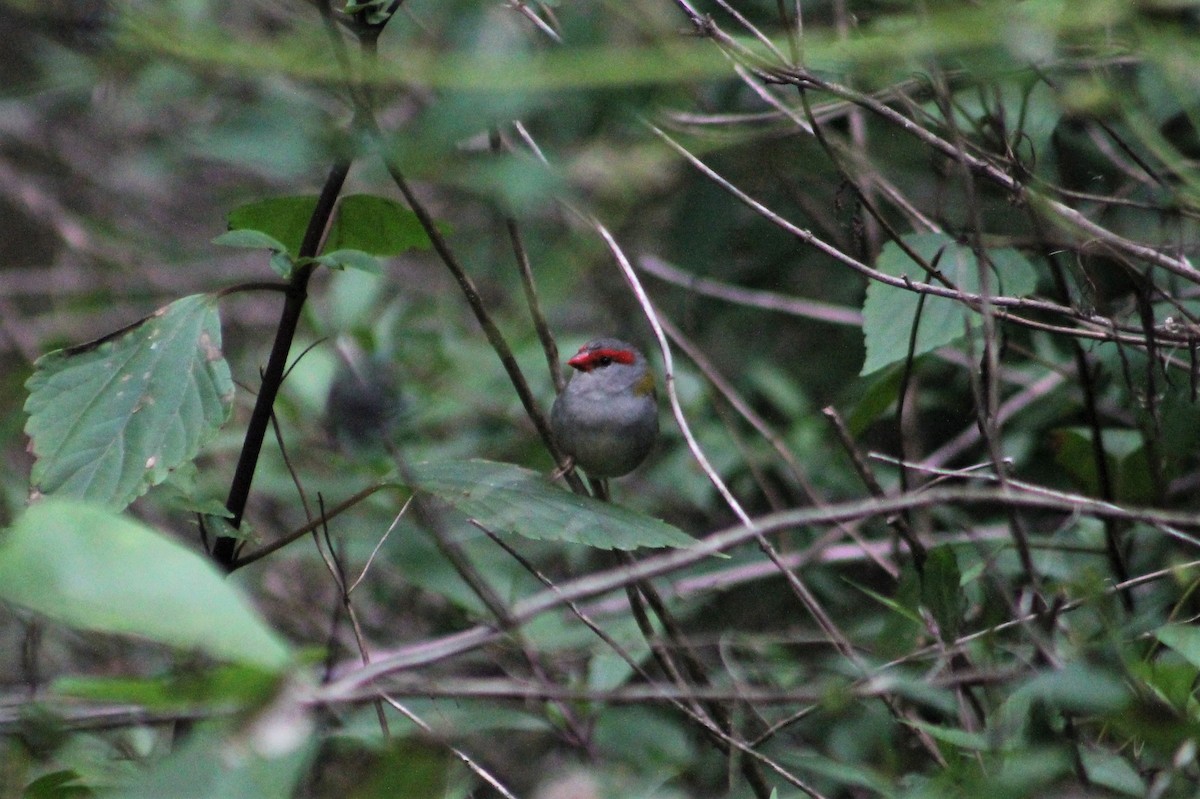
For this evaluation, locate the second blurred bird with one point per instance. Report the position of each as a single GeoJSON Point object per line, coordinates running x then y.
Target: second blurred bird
{"type": "Point", "coordinates": [364, 408]}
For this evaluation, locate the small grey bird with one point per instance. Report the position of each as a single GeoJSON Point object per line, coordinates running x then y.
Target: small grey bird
{"type": "Point", "coordinates": [607, 416]}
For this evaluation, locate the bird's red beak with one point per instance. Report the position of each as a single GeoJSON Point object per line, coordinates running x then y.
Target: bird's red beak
{"type": "Point", "coordinates": [586, 360]}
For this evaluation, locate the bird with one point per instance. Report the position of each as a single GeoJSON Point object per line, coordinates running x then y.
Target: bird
{"type": "Point", "coordinates": [364, 408]}
{"type": "Point", "coordinates": [606, 418]}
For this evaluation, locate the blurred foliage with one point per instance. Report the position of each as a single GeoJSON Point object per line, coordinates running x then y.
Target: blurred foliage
{"type": "Point", "coordinates": [1035, 163]}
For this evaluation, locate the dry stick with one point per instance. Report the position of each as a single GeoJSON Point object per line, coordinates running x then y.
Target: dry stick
{"type": "Point", "coordinates": [1091, 416]}
{"type": "Point", "coordinates": [530, 288]}
{"type": "Point", "coordinates": [466, 759]}
{"type": "Point", "coordinates": [432, 521]}
{"type": "Point", "coordinates": [864, 472]}
{"type": "Point", "coordinates": [224, 550]}
{"type": "Point", "coordinates": [1067, 216]}
{"type": "Point", "coordinates": [901, 525]}
{"type": "Point", "coordinates": [756, 298]}
{"type": "Point", "coordinates": [797, 586]}
{"type": "Point", "coordinates": [635, 596]}
{"type": "Point", "coordinates": [494, 336]}
{"type": "Point", "coordinates": [647, 590]}
{"type": "Point", "coordinates": [725, 740]}
{"type": "Point", "coordinates": [110, 717]}
{"type": "Point", "coordinates": [695, 669]}
{"type": "Point", "coordinates": [903, 419]}
{"type": "Point", "coordinates": [1009, 408]}
{"type": "Point", "coordinates": [1019, 494]}
{"type": "Point", "coordinates": [971, 300]}
{"type": "Point", "coordinates": [985, 383]}
{"type": "Point", "coordinates": [313, 524]}
{"type": "Point", "coordinates": [743, 408]}
{"type": "Point", "coordinates": [508, 688]}
{"type": "Point", "coordinates": [334, 565]}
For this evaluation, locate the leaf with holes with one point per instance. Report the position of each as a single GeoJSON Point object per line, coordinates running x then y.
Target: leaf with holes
{"type": "Point", "coordinates": [111, 418]}
{"type": "Point", "coordinates": [508, 499]}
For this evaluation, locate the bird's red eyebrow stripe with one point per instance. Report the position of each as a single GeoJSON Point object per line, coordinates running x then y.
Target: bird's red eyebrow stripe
{"type": "Point", "coordinates": [592, 356]}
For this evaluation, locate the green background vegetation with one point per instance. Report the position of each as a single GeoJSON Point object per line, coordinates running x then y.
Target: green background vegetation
{"type": "Point", "coordinates": [924, 269]}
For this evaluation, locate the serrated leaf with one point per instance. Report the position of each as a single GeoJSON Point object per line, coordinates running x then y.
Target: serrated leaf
{"type": "Point", "coordinates": [508, 499]}
{"type": "Point", "coordinates": [93, 569]}
{"type": "Point", "coordinates": [111, 418]}
{"type": "Point", "coordinates": [889, 312]}
{"type": "Point", "coordinates": [376, 226]}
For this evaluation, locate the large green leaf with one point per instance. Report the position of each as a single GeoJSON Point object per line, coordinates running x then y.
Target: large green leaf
{"type": "Point", "coordinates": [217, 762]}
{"type": "Point", "coordinates": [371, 225]}
{"type": "Point", "coordinates": [111, 418]}
{"type": "Point", "coordinates": [889, 312]}
{"type": "Point", "coordinates": [508, 499]}
{"type": "Point", "coordinates": [91, 568]}
{"type": "Point", "coordinates": [1184, 639]}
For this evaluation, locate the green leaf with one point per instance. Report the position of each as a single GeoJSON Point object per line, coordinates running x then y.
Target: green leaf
{"type": "Point", "coordinates": [57, 785]}
{"type": "Point", "coordinates": [890, 604]}
{"type": "Point", "coordinates": [508, 499]}
{"type": "Point", "coordinates": [250, 239]}
{"type": "Point", "coordinates": [278, 223]}
{"type": "Point", "coordinates": [376, 226]}
{"type": "Point", "coordinates": [941, 591]}
{"type": "Point", "coordinates": [974, 741]}
{"type": "Point", "coordinates": [283, 264]}
{"type": "Point", "coordinates": [1079, 688]}
{"type": "Point", "coordinates": [375, 12]}
{"type": "Point", "coordinates": [409, 768]}
{"type": "Point", "coordinates": [1184, 639]}
{"type": "Point", "coordinates": [351, 259]}
{"type": "Point", "coordinates": [111, 418]}
{"type": "Point", "coordinates": [1112, 771]}
{"type": "Point", "coordinates": [876, 394]}
{"type": "Point", "coordinates": [214, 763]}
{"type": "Point", "coordinates": [1125, 455]}
{"type": "Point", "coordinates": [241, 685]}
{"type": "Point", "coordinates": [889, 312]}
{"type": "Point", "coordinates": [93, 569]}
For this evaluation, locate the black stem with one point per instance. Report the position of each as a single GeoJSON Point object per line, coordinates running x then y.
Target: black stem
{"type": "Point", "coordinates": [225, 549]}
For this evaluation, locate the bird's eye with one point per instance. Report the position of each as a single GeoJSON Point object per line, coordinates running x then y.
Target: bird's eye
{"type": "Point", "coordinates": [604, 360]}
